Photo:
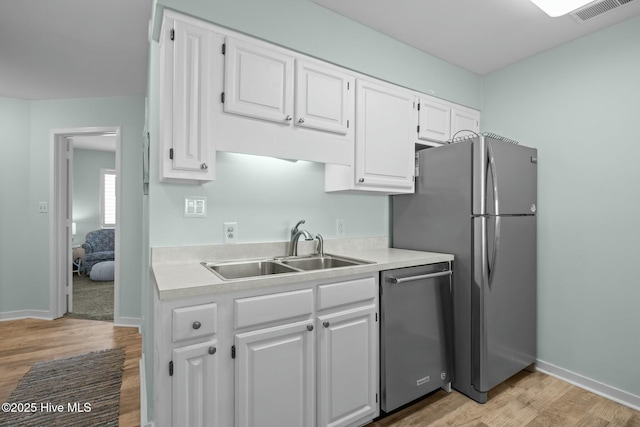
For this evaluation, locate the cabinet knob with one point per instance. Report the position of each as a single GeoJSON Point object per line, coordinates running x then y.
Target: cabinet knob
{"type": "Point", "coordinates": [204, 166]}
{"type": "Point", "coordinates": [301, 120]}
{"type": "Point", "coordinates": [212, 350]}
{"type": "Point", "coordinates": [196, 325]}
{"type": "Point", "coordinates": [361, 180]}
{"type": "Point", "coordinates": [289, 118]}
{"type": "Point", "coordinates": [309, 328]}
{"type": "Point", "coordinates": [326, 324]}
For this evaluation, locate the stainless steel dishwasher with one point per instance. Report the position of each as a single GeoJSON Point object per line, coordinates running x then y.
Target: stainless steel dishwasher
{"type": "Point", "coordinates": [415, 333]}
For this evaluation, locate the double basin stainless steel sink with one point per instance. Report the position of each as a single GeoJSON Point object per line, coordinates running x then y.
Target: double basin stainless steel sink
{"type": "Point", "coordinates": [229, 270]}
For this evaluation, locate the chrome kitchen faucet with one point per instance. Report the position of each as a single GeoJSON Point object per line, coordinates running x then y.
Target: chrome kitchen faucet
{"type": "Point", "coordinates": [295, 236]}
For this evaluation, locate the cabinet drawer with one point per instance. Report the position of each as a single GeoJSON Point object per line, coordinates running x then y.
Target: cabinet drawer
{"type": "Point", "coordinates": [337, 294]}
{"type": "Point", "coordinates": [194, 322]}
{"type": "Point", "coordinates": [272, 308]}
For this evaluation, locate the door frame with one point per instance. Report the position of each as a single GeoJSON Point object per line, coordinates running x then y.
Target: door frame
{"type": "Point", "coordinates": [60, 202]}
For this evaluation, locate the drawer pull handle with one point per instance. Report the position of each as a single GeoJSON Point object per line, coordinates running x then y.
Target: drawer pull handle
{"type": "Point", "coordinates": [196, 325]}
{"type": "Point", "coordinates": [309, 328]}
{"type": "Point", "coordinates": [326, 324]}
{"type": "Point", "coordinates": [212, 350]}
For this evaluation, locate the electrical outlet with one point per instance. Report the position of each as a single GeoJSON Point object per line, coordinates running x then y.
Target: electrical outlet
{"type": "Point", "coordinates": [230, 232]}
{"type": "Point", "coordinates": [340, 228]}
{"type": "Point", "coordinates": [195, 207]}
{"type": "Point", "coordinates": [43, 207]}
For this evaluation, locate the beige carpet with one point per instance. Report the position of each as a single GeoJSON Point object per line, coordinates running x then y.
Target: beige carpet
{"type": "Point", "coordinates": [91, 300]}
{"type": "Point", "coordinates": [77, 391]}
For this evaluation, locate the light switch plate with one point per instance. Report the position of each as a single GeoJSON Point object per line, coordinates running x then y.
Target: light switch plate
{"type": "Point", "coordinates": [195, 207]}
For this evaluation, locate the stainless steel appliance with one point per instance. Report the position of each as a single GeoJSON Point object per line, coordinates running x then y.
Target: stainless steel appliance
{"type": "Point", "coordinates": [476, 199]}
{"type": "Point", "coordinates": [415, 333]}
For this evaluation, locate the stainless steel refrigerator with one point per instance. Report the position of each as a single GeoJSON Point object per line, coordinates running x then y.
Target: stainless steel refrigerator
{"type": "Point", "coordinates": [476, 199]}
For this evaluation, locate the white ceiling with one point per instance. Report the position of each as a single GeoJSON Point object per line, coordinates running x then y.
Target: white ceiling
{"type": "Point", "coordinates": [53, 49]}
{"type": "Point", "coordinates": [478, 35]}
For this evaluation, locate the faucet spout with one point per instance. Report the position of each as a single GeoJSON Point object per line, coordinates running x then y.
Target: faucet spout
{"type": "Point", "coordinates": [295, 236]}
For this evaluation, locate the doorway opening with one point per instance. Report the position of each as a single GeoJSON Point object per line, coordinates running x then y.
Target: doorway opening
{"type": "Point", "coordinates": [69, 227]}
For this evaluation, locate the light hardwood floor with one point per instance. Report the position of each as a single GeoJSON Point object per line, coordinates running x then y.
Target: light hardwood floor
{"type": "Point", "coordinates": [25, 342]}
{"type": "Point", "coordinates": [527, 399]}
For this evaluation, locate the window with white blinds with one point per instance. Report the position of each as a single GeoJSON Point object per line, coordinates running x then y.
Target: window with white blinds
{"type": "Point", "coordinates": [107, 198]}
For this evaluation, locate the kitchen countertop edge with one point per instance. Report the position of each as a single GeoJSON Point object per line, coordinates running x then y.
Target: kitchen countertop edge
{"type": "Point", "coordinates": [190, 278]}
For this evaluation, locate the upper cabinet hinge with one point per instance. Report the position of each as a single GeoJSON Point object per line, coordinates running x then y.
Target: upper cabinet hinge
{"type": "Point", "coordinates": [172, 34]}
{"type": "Point", "coordinates": [347, 124]}
{"type": "Point", "coordinates": [222, 97]}
{"type": "Point", "coordinates": [171, 153]}
{"type": "Point", "coordinates": [224, 48]}
{"type": "Point", "coordinates": [171, 368]}
{"type": "Point", "coordinates": [418, 128]}
{"type": "Point", "coordinates": [233, 351]}
{"type": "Point", "coordinates": [376, 397]}
{"type": "Point", "coordinates": [348, 85]}
{"type": "Point", "coordinates": [418, 106]}
{"type": "Point", "coordinates": [376, 317]}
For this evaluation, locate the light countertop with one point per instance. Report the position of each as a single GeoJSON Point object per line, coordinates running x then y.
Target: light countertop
{"type": "Point", "coordinates": [178, 272]}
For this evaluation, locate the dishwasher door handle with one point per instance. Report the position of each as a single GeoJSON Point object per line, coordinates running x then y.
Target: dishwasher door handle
{"type": "Point", "coordinates": [398, 281]}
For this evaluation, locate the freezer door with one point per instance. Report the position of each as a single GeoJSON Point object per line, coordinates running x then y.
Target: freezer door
{"type": "Point", "coordinates": [505, 178]}
{"type": "Point", "coordinates": [503, 305]}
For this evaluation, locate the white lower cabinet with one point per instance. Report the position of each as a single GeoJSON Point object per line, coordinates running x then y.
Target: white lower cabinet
{"type": "Point", "coordinates": [301, 355]}
{"type": "Point", "coordinates": [347, 367]}
{"type": "Point", "coordinates": [275, 376]}
{"type": "Point", "coordinates": [194, 385]}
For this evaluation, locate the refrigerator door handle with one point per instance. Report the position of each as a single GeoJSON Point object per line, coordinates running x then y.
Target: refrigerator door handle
{"type": "Point", "coordinates": [494, 254]}
{"type": "Point", "coordinates": [400, 280]}
{"type": "Point", "coordinates": [494, 178]}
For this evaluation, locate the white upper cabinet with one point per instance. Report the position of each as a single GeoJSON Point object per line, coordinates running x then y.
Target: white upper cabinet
{"type": "Point", "coordinates": [464, 121]}
{"type": "Point", "coordinates": [322, 97]}
{"type": "Point", "coordinates": [275, 102]}
{"type": "Point", "coordinates": [440, 121]}
{"type": "Point", "coordinates": [385, 129]}
{"type": "Point", "coordinates": [434, 120]}
{"type": "Point", "coordinates": [187, 64]}
{"type": "Point", "coordinates": [258, 81]}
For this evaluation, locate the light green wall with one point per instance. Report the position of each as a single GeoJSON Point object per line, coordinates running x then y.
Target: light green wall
{"type": "Point", "coordinates": [14, 204]}
{"type": "Point", "coordinates": [26, 176]}
{"type": "Point", "coordinates": [579, 105]}
{"type": "Point", "coordinates": [86, 189]}
{"type": "Point", "coordinates": [306, 27]}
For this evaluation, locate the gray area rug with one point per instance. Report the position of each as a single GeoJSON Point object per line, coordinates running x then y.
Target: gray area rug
{"type": "Point", "coordinates": [79, 391]}
{"type": "Point", "coordinates": [91, 300]}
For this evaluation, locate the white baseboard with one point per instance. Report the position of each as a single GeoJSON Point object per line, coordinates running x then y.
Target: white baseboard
{"type": "Point", "coordinates": [620, 396]}
{"type": "Point", "coordinates": [26, 314]}
{"type": "Point", "coordinates": [127, 322]}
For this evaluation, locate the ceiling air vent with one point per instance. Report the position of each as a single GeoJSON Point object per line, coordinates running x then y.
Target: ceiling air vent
{"type": "Point", "coordinates": [596, 9]}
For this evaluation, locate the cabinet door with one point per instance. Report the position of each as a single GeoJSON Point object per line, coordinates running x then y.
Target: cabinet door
{"type": "Point", "coordinates": [347, 367]}
{"type": "Point", "coordinates": [186, 102]}
{"type": "Point", "coordinates": [275, 377]}
{"type": "Point", "coordinates": [258, 81]}
{"type": "Point", "coordinates": [194, 385]}
{"type": "Point", "coordinates": [385, 128]}
{"type": "Point", "coordinates": [434, 118]}
{"type": "Point", "coordinates": [464, 122]}
{"type": "Point", "coordinates": [323, 95]}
